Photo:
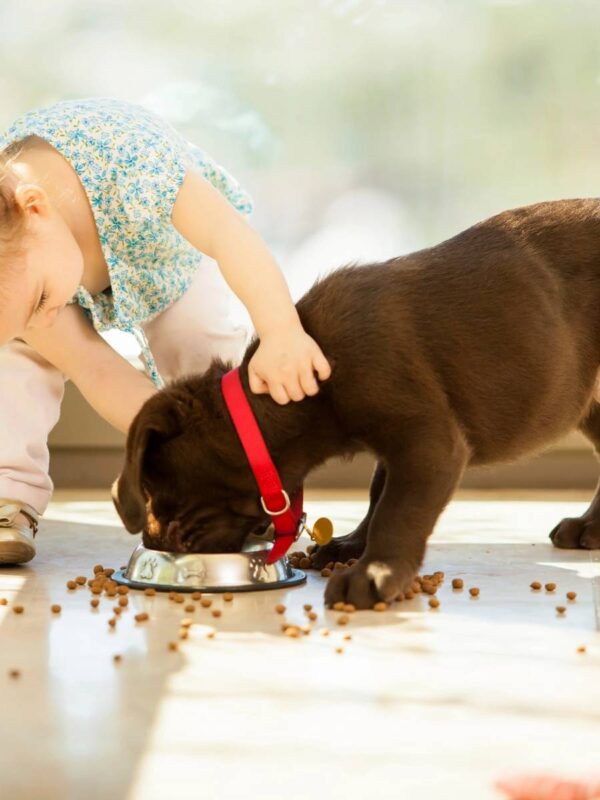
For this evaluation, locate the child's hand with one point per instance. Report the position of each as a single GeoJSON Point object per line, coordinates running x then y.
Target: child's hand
{"type": "Point", "coordinates": [283, 365]}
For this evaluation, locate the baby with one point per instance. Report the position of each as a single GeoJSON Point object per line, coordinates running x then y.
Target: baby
{"type": "Point", "coordinates": [106, 213]}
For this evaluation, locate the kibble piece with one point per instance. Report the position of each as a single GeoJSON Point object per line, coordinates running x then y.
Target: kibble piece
{"type": "Point", "coordinates": [344, 619]}
{"type": "Point", "coordinates": [457, 583]}
{"type": "Point", "coordinates": [325, 632]}
{"type": "Point", "coordinates": [111, 592]}
{"type": "Point", "coordinates": [180, 599]}
{"type": "Point", "coordinates": [190, 608]}
{"type": "Point", "coordinates": [196, 595]}
{"type": "Point", "coordinates": [536, 586]}
{"type": "Point", "coordinates": [18, 609]}
{"type": "Point", "coordinates": [71, 585]}
{"type": "Point", "coordinates": [339, 649]}
{"type": "Point", "coordinates": [210, 635]}
{"type": "Point", "coordinates": [81, 580]}
{"type": "Point", "coordinates": [429, 588]}
{"type": "Point", "coordinates": [14, 673]}
{"type": "Point", "coordinates": [96, 590]}
{"type": "Point", "coordinates": [183, 634]}
{"type": "Point", "coordinates": [307, 607]}
{"type": "Point", "coordinates": [380, 607]}
{"type": "Point", "coordinates": [123, 590]}
{"type": "Point", "coordinates": [149, 592]}
{"type": "Point", "coordinates": [325, 573]}
{"type": "Point", "coordinates": [280, 608]}
{"type": "Point", "coordinates": [293, 631]}
{"type": "Point", "coordinates": [408, 595]}
{"type": "Point", "coordinates": [112, 622]}
{"type": "Point", "coordinates": [98, 568]}
{"type": "Point", "coordinates": [216, 612]}
{"type": "Point", "coordinates": [172, 595]}
{"type": "Point", "coordinates": [560, 609]}
{"type": "Point", "coordinates": [141, 617]}
{"type": "Point", "coordinates": [474, 591]}
{"type": "Point", "coordinates": [434, 602]}
{"type": "Point", "coordinates": [571, 595]}
{"type": "Point", "coordinates": [582, 648]}
{"type": "Point", "coordinates": [94, 602]}
{"type": "Point", "coordinates": [305, 563]}
{"type": "Point", "coordinates": [123, 601]}
{"type": "Point", "coordinates": [173, 646]}
{"type": "Point", "coordinates": [56, 609]}
{"type": "Point", "coordinates": [206, 602]}
{"type": "Point", "coordinates": [186, 623]}
{"type": "Point", "coordinates": [228, 597]}
{"type": "Point", "coordinates": [3, 601]}
{"type": "Point", "coordinates": [117, 610]}
{"type": "Point", "coordinates": [312, 615]}
{"type": "Point", "coordinates": [439, 575]}
{"type": "Point", "coordinates": [108, 572]}
{"type": "Point", "coordinates": [348, 637]}
{"type": "Point", "coordinates": [550, 587]}
{"type": "Point", "coordinates": [339, 606]}
{"type": "Point", "coordinates": [349, 608]}
{"type": "Point", "coordinates": [117, 658]}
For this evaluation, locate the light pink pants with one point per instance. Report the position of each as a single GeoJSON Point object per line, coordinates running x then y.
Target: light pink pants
{"type": "Point", "coordinates": [183, 339]}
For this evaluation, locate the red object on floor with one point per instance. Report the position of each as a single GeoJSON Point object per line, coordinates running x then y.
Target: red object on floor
{"type": "Point", "coordinates": [287, 519]}
{"type": "Point", "coordinates": [547, 787]}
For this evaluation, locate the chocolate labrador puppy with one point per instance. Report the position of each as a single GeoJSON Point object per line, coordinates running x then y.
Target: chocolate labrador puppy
{"type": "Point", "coordinates": [479, 350]}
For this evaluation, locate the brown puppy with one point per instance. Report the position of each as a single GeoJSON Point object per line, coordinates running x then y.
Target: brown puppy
{"type": "Point", "coordinates": [479, 350]}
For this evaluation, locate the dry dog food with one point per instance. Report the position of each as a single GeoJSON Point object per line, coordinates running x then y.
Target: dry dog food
{"type": "Point", "coordinates": [326, 572]}
{"type": "Point", "coordinates": [293, 631]}
{"type": "Point", "coordinates": [280, 609]}
{"type": "Point", "coordinates": [457, 583]}
{"type": "Point", "coordinates": [71, 585]}
{"type": "Point", "coordinates": [123, 590]}
{"type": "Point", "coordinates": [206, 602]}
{"type": "Point", "coordinates": [550, 587]}
{"type": "Point", "coordinates": [94, 602]}
{"type": "Point", "coordinates": [149, 592]}
{"type": "Point", "coordinates": [434, 602]}
{"type": "Point", "coordinates": [81, 580]}
{"type": "Point", "coordinates": [14, 673]}
{"type": "Point", "coordinates": [312, 615]}
{"type": "Point", "coordinates": [117, 658]}
{"type": "Point", "coordinates": [18, 609]}
{"type": "Point", "coordinates": [307, 607]}
{"type": "Point", "coordinates": [228, 597]}
{"type": "Point", "coordinates": [536, 586]}
{"type": "Point", "coordinates": [117, 610]}
{"type": "Point", "coordinates": [339, 649]}
{"type": "Point", "coordinates": [183, 634]}
{"type": "Point", "coordinates": [582, 648]}
{"type": "Point", "coordinates": [123, 601]}
{"type": "Point", "coordinates": [112, 622]}
{"type": "Point", "coordinates": [196, 595]}
{"type": "Point", "coordinates": [474, 591]}
{"type": "Point", "coordinates": [344, 619]}
{"type": "Point", "coordinates": [141, 617]}
{"type": "Point", "coordinates": [173, 646]}
{"type": "Point", "coordinates": [56, 609]}
{"type": "Point", "coordinates": [349, 608]}
{"type": "Point", "coordinates": [380, 607]}
{"type": "Point", "coordinates": [3, 601]}
{"type": "Point", "coordinates": [190, 608]}
{"type": "Point", "coordinates": [560, 609]}
{"type": "Point", "coordinates": [186, 623]}
{"type": "Point", "coordinates": [216, 612]}
{"type": "Point", "coordinates": [571, 595]}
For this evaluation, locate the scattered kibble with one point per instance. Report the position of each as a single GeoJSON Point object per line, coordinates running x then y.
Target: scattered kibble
{"type": "Point", "coordinates": [3, 601]}
{"type": "Point", "coordinates": [550, 587]}
{"type": "Point", "coordinates": [312, 615]}
{"type": "Point", "coordinates": [348, 637]}
{"type": "Point", "coordinates": [112, 622]}
{"type": "Point", "coordinates": [81, 580]}
{"type": "Point", "coordinates": [344, 619]}
{"type": "Point", "coordinates": [173, 646]}
{"type": "Point", "coordinates": [307, 607]}
{"type": "Point", "coordinates": [210, 635]}
{"type": "Point", "coordinates": [380, 606]}
{"type": "Point", "coordinates": [180, 598]}
{"type": "Point", "coordinates": [55, 609]}
{"type": "Point", "coordinates": [108, 572]}
{"type": "Point", "coordinates": [141, 617]}
{"type": "Point", "coordinates": [536, 586]}
{"type": "Point", "coordinates": [474, 591]}
{"type": "Point", "coordinates": [14, 673]}
{"type": "Point", "coordinates": [18, 609]}
{"type": "Point", "coordinates": [325, 632]}
{"type": "Point", "coordinates": [325, 572]}
{"type": "Point", "coordinates": [149, 592]}
{"type": "Point", "coordinates": [98, 568]}
{"type": "Point", "coordinates": [280, 609]}
{"type": "Point", "coordinates": [196, 595]}
{"type": "Point", "coordinates": [190, 608]}
{"type": "Point", "coordinates": [339, 606]}
{"type": "Point", "coordinates": [560, 609]}
{"type": "Point", "coordinates": [582, 648]}
{"type": "Point", "coordinates": [123, 601]}
{"type": "Point", "coordinates": [216, 612]}
{"type": "Point", "coordinates": [71, 585]}
{"type": "Point", "coordinates": [228, 597]}
{"type": "Point", "coordinates": [206, 602]}
{"type": "Point", "coordinates": [457, 583]}
{"type": "Point", "coordinates": [183, 634]}
{"type": "Point", "coordinates": [339, 649]}
{"type": "Point", "coordinates": [349, 608]}
{"type": "Point", "coordinates": [434, 602]}
{"type": "Point", "coordinates": [571, 595]}
{"type": "Point", "coordinates": [186, 623]}
{"type": "Point", "coordinates": [94, 602]}
{"type": "Point", "coordinates": [117, 658]}
{"type": "Point", "coordinates": [293, 631]}
{"type": "Point", "coordinates": [123, 590]}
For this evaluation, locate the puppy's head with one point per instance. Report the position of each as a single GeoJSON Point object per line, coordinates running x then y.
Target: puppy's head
{"type": "Point", "coordinates": [186, 483]}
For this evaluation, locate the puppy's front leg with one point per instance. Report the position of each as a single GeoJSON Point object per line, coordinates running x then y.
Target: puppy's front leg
{"type": "Point", "coordinates": [420, 479]}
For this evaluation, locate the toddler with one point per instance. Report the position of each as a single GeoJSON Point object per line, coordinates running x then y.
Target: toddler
{"type": "Point", "coordinates": [109, 218]}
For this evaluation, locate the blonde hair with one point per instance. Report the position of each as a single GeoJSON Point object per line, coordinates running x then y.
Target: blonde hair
{"type": "Point", "coordinates": [12, 217]}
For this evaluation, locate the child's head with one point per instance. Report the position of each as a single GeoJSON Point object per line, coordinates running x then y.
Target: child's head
{"type": "Point", "coordinates": [39, 256]}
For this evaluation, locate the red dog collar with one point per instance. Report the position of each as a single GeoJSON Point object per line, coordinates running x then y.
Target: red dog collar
{"type": "Point", "coordinates": [288, 520]}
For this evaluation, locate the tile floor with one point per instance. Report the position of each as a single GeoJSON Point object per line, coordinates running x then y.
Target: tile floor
{"type": "Point", "coordinates": [421, 703]}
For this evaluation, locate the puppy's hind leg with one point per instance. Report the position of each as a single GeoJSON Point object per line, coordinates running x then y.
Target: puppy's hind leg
{"type": "Point", "coordinates": [584, 531]}
{"type": "Point", "coordinates": [421, 474]}
{"type": "Point", "coordinates": [343, 548]}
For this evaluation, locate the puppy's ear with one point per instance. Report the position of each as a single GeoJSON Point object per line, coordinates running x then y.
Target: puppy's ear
{"type": "Point", "coordinates": [129, 496]}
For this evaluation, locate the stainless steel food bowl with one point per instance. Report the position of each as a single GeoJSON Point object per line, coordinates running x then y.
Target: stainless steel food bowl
{"type": "Point", "coordinates": [209, 572]}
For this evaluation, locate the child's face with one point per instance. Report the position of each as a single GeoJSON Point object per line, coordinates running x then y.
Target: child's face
{"type": "Point", "coordinates": [52, 264]}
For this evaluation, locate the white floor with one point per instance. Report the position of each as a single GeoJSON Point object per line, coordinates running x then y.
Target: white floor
{"type": "Point", "coordinates": [422, 703]}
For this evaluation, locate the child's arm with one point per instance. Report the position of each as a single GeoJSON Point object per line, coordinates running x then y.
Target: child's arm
{"type": "Point", "coordinates": [283, 364]}
{"type": "Point", "coordinates": [110, 384]}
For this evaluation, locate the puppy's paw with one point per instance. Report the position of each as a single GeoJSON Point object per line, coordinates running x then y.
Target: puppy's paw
{"type": "Point", "coordinates": [368, 582]}
{"type": "Point", "coordinates": [342, 548]}
{"type": "Point", "coordinates": [577, 532]}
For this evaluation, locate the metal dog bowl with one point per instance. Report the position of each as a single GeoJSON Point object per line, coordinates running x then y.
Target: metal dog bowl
{"type": "Point", "coordinates": [209, 572]}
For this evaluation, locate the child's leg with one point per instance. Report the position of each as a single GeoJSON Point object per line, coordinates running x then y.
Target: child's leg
{"type": "Point", "coordinates": [200, 325]}
{"type": "Point", "coordinates": [31, 391]}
